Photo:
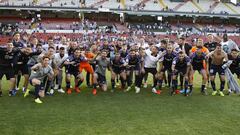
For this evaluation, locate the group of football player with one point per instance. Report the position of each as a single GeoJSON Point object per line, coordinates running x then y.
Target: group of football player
{"type": "Point", "coordinates": [129, 60]}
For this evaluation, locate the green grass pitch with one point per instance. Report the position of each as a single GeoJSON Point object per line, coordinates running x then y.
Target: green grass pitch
{"type": "Point", "coordinates": [121, 113]}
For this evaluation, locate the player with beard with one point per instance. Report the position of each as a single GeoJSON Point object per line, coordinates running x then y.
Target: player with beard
{"type": "Point", "coordinates": [166, 65]}
{"type": "Point", "coordinates": [185, 47]}
{"type": "Point", "coordinates": [180, 66]}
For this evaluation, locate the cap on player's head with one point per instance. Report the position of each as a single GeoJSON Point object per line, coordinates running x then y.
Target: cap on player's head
{"type": "Point", "coordinates": [62, 48]}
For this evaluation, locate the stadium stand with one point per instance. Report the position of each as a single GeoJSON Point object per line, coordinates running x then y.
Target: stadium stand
{"type": "Point", "coordinates": [202, 6]}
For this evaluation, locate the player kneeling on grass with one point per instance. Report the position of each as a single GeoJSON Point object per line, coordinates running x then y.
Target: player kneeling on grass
{"type": "Point", "coordinates": [102, 63]}
{"type": "Point", "coordinates": [39, 72]}
{"type": "Point", "coordinates": [235, 66]}
{"type": "Point", "coordinates": [117, 68]}
{"type": "Point", "coordinates": [72, 68]}
{"type": "Point", "coordinates": [198, 63]}
{"type": "Point", "coordinates": [180, 66]}
{"type": "Point", "coordinates": [218, 56]}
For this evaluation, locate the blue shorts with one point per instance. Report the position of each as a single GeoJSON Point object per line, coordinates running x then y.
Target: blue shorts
{"type": "Point", "coordinates": [75, 73]}
{"type": "Point", "coordinates": [180, 71]}
{"type": "Point", "coordinates": [133, 68]}
{"type": "Point", "coordinates": [101, 79]}
{"type": "Point", "coordinates": [169, 69]}
{"type": "Point", "coordinates": [42, 84]}
{"type": "Point", "coordinates": [214, 69]}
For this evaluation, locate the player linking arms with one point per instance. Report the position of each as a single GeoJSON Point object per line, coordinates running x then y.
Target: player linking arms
{"type": "Point", "coordinates": [72, 68]}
